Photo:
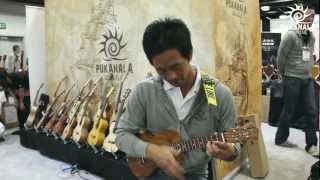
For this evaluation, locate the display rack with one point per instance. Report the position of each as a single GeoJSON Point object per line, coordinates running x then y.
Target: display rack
{"type": "Point", "coordinates": [102, 164]}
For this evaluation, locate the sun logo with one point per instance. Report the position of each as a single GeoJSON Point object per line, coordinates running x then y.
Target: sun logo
{"type": "Point", "coordinates": [112, 46]}
{"type": "Point", "coordinates": [298, 15]}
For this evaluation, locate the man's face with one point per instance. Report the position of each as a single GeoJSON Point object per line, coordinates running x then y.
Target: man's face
{"type": "Point", "coordinates": [172, 67]}
{"type": "Point", "coordinates": [17, 50]}
{"type": "Point", "coordinates": [310, 18]}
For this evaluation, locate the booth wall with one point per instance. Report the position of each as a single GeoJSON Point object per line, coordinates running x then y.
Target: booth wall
{"type": "Point", "coordinates": [237, 51]}
{"type": "Point", "coordinates": [78, 35]}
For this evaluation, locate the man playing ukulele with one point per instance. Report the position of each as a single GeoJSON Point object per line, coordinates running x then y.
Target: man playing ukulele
{"type": "Point", "coordinates": [176, 99]}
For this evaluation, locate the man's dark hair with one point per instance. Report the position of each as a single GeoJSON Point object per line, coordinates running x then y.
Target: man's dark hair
{"type": "Point", "coordinates": [15, 47]}
{"type": "Point", "coordinates": [165, 34]}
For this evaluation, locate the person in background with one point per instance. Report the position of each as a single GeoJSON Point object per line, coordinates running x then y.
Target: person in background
{"type": "Point", "coordinates": [176, 99]}
{"type": "Point", "coordinates": [3, 61]}
{"type": "Point", "coordinates": [17, 61]}
{"type": "Point", "coordinates": [295, 62]}
{"type": "Point", "coordinates": [17, 85]}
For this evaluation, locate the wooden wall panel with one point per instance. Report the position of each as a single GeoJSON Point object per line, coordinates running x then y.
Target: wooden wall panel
{"type": "Point", "coordinates": [237, 57]}
{"type": "Point", "coordinates": [76, 32]}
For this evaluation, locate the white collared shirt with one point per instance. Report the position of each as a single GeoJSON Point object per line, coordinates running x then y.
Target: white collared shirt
{"type": "Point", "coordinates": [13, 63]}
{"type": "Point", "coordinates": [183, 105]}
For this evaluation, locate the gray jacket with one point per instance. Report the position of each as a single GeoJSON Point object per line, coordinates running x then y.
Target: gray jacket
{"type": "Point", "coordinates": [289, 58]}
{"type": "Point", "coordinates": [150, 108]}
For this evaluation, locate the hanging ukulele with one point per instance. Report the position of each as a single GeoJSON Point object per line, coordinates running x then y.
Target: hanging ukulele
{"type": "Point", "coordinates": [49, 126]}
{"type": "Point", "coordinates": [62, 121]}
{"type": "Point", "coordinates": [97, 133]}
{"type": "Point", "coordinates": [70, 113]}
{"type": "Point", "coordinates": [34, 110]}
{"type": "Point", "coordinates": [101, 121]}
{"type": "Point", "coordinates": [46, 116]}
{"type": "Point", "coordinates": [68, 130]}
{"type": "Point", "coordinates": [80, 132]}
{"type": "Point", "coordinates": [109, 144]}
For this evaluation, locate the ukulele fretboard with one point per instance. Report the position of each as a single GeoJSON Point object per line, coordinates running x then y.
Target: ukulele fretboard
{"type": "Point", "coordinates": [197, 143]}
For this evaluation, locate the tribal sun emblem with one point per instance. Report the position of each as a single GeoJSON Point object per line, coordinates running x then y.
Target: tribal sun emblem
{"type": "Point", "coordinates": [112, 46]}
{"type": "Point", "coordinates": [298, 14]}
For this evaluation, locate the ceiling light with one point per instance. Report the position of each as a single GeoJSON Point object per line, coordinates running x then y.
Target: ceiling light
{"type": "Point", "coordinates": [265, 8]}
{"type": "Point", "coordinates": [283, 17]}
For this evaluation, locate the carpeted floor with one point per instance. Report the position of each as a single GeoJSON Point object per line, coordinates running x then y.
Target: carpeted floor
{"type": "Point", "coordinates": [19, 163]}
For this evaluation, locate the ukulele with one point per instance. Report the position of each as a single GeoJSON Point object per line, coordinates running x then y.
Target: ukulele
{"type": "Point", "coordinates": [62, 121]}
{"type": "Point", "coordinates": [101, 122]}
{"type": "Point", "coordinates": [142, 167]}
{"type": "Point", "coordinates": [97, 133]}
{"type": "Point", "coordinates": [48, 114]}
{"type": "Point", "coordinates": [120, 91]}
{"type": "Point", "coordinates": [49, 126]}
{"type": "Point", "coordinates": [109, 142]}
{"type": "Point", "coordinates": [81, 131]}
{"type": "Point", "coordinates": [72, 122]}
{"type": "Point", "coordinates": [34, 109]}
{"type": "Point", "coordinates": [70, 112]}
{"type": "Point", "coordinates": [46, 117]}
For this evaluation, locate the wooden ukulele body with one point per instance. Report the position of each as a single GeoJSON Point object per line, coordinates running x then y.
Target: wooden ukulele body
{"type": "Point", "coordinates": [32, 116]}
{"type": "Point", "coordinates": [144, 167]}
{"type": "Point", "coordinates": [44, 120]}
{"type": "Point", "coordinates": [55, 119]}
{"type": "Point", "coordinates": [101, 124]}
{"type": "Point", "coordinates": [98, 132]}
{"type": "Point", "coordinates": [60, 125]}
{"type": "Point", "coordinates": [35, 110]}
{"type": "Point", "coordinates": [68, 130]}
{"type": "Point", "coordinates": [81, 131]}
{"type": "Point", "coordinates": [109, 142]}
{"type": "Point", "coordinates": [49, 126]}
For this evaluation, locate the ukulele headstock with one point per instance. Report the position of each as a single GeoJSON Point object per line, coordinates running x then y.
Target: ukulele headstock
{"type": "Point", "coordinates": [126, 95]}
{"type": "Point", "coordinates": [241, 133]}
